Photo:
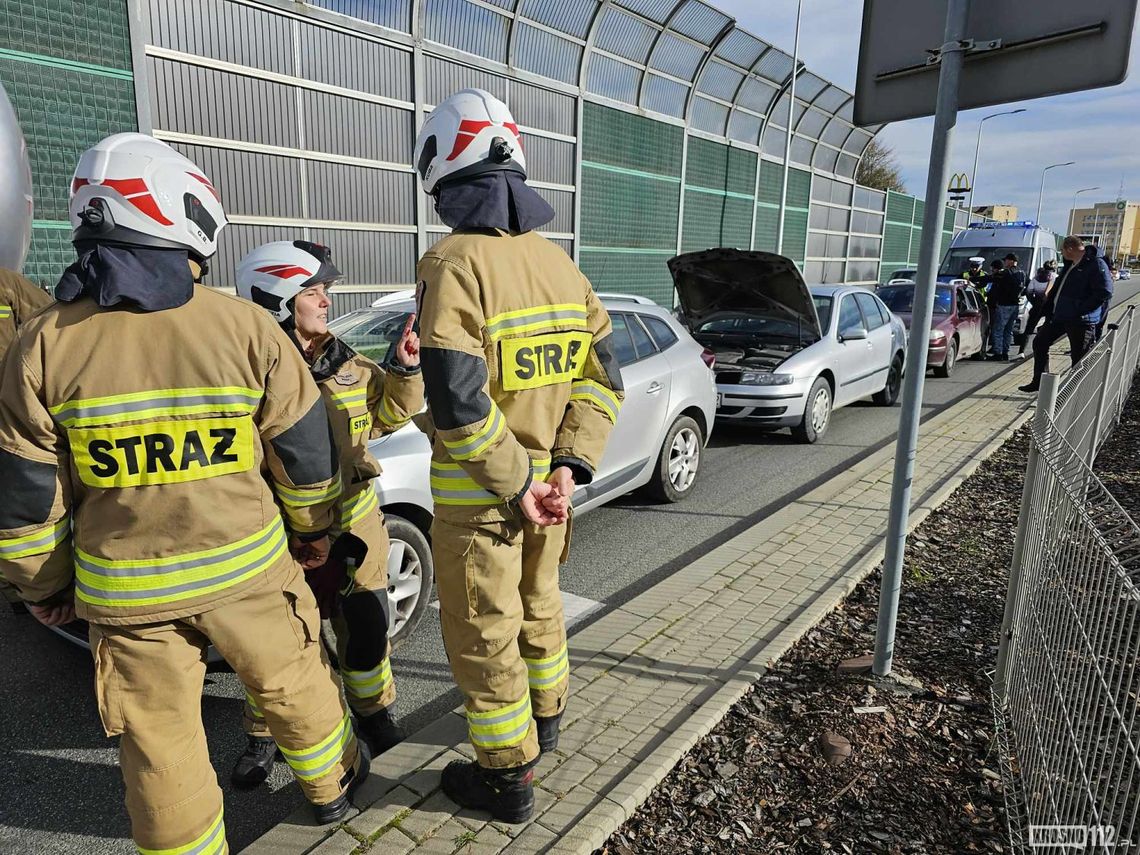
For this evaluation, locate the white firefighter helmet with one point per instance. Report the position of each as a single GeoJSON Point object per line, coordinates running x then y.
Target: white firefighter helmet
{"type": "Point", "coordinates": [274, 273]}
{"type": "Point", "coordinates": [468, 134]}
{"type": "Point", "coordinates": [977, 261]}
{"type": "Point", "coordinates": [15, 188]}
{"type": "Point", "coordinates": [133, 189]}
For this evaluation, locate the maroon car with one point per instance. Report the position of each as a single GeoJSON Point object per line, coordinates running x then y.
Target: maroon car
{"type": "Point", "coordinates": [959, 327]}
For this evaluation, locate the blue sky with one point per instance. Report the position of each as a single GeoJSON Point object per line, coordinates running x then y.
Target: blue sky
{"type": "Point", "coordinates": [1098, 129]}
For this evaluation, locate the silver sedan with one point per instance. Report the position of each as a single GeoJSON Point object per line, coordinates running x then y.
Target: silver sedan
{"type": "Point", "coordinates": [787, 355]}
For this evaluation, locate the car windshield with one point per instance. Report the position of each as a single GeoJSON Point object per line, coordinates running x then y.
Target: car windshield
{"type": "Point", "coordinates": [371, 334]}
{"type": "Point", "coordinates": [957, 260]}
{"type": "Point", "coordinates": [900, 298]}
{"type": "Point", "coordinates": [749, 326]}
{"type": "Point", "coordinates": [823, 304]}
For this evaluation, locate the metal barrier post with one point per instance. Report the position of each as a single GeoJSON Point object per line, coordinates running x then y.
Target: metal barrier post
{"type": "Point", "coordinates": [1129, 362]}
{"type": "Point", "coordinates": [1046, 405]}
{"type": "Point", "coordinates": [1101, 399]}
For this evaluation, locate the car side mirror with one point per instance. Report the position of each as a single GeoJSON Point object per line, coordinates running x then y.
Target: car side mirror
{"type": "Point", "coordinates": [852, 334]}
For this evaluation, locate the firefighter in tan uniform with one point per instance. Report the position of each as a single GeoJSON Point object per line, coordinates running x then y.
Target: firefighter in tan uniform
{"type": "Point", "coordinates": [19, 298]}
{"type": "Point", "coordinates": [523, 390]}
{"type": "Point", "coordinates": [293, 281]}
{"type": "Point", "coordinates": [148, 427]}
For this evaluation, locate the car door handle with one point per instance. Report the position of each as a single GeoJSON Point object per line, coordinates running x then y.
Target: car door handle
{"type": "Point", "coordinates": [654, 388]}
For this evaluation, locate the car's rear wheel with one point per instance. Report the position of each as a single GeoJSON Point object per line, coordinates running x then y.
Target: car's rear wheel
{"type": "Point", "coordinates": [410, 577]}
{"type": "Point", "coordinates": [817, 413]}
{"type": "Point", "coordinates": [947, 367]}
{"type": "Point", "coordinates": [678, 462]}
{"type": "Point", "coordinates": [890, 393]}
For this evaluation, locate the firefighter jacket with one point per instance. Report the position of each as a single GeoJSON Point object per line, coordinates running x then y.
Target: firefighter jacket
{"type": "Point", "coordinates": [518, 368]}
{"type": "Point", "coordinates": [19, 300]}
{"type": "Point", "coordinates": [363, 401]}
{"type": "Point", "coordinates": [144, 453]}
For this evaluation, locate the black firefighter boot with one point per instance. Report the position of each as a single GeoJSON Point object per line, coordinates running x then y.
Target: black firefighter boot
{"type": "Point", "coordinates": [255, 763]}
{"type": "Point", "coordinates": [547, 727]}
{"type": "Point", "coordinates": [337, 810]}
{"type": "Point", "coordinates": [381, 731]}
{"type": "Point", "coordinates": [507, 794]}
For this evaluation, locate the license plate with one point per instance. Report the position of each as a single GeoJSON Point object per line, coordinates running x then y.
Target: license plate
{"type": "Point", "coordinates": [719, 400]}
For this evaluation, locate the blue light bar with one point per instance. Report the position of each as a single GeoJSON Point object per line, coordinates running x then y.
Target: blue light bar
{"type": "Point", "coordinates": [1017, 224]}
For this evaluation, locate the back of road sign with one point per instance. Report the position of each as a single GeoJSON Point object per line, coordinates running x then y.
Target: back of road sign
{"type": "Point", "coordinates": [1047, 47]}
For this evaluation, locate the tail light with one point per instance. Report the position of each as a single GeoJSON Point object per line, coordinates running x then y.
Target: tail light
{"type": "Point", "coordinates": [708, 357]}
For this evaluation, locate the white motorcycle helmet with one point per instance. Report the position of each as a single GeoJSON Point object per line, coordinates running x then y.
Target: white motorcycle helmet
{"type": "Point", "coordinates": [135, 190]}
{"type": "Point", "coordinates": [274, 273]}
{"type": "Point", "coordinates": [468, 134]}
{"type": "Point", "coordinates": [16, 187]}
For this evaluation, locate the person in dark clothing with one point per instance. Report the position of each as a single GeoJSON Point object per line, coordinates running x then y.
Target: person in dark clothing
{"type": "Point", "coordinates": [1104, 309]}
{"type": "Point", "coordinates": [1074, 306]}
{"type": "Point", "coordinates": [1005, 295]}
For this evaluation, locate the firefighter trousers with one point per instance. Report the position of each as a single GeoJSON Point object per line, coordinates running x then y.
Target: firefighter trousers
{"type": "Point", "coordinates": [361, 628]}
{"type": "Point", "coordinates": [503, 627]}
{"type": "Point", "coordinates": [148, 684]}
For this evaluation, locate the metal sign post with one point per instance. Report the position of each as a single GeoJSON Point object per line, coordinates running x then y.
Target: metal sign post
{"type": "Point", "coordinates": [950, 56]}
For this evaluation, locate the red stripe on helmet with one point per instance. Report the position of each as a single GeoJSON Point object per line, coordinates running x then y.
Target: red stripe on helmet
{"type": "Point", "coordinates": [284, 271]}
{"type": "Point", "coordinates": [76, 183]}
{"type": "Point", "coordinates": [135, 191]}
{"type": "Point", "coordinates": [206, 181]}
{"type": "Point", "coordinates": [126, 186]}
{"type": "Point", "coordinates": [468, 130]}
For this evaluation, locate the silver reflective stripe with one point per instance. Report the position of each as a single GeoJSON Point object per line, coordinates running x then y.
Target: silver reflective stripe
{"type": "Point", "coordinates": [504, 326]}
{"type": "Point", "coordinates": [499, 738]}
{"type": "Point", "coordinates": [158, 569]}
{"type": "Point", "coordinates": [166, 401]}
{"type": "Point", "coordinates": [468, 446]}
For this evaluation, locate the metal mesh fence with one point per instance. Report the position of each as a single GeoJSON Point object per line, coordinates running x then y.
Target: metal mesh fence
{"type": "Point", "coordinates": [1068, 676]}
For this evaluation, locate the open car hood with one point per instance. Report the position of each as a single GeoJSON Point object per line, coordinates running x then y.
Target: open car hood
{"type": "Point", "coordinates": [714, 281]}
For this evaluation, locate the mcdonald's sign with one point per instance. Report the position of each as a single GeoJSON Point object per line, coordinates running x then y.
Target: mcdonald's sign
{"type": "Point", "coordinates": [959, 184]}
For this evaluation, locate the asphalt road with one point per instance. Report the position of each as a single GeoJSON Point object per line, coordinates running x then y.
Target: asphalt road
{"type": "Point", "coordinates": [62, 790]}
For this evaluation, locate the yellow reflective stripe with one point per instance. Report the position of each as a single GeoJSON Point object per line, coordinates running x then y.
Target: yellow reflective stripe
{"type": "Point", "coordinates": [549, 672]}
{"type": "Point", "coordinates": [40, 541]}
{"type": "Point", "coordinates": [368, 684]}
{"type": "Point", "coordinates": [155, 581]}
{"type": "Point", "coordinates": [471, 446]}
{"type": "Point", "coordinates": [157, 403]}
{"type": "Point", "coordinates": [388, 416]}
{"type": "Point", "coordinates": [304, 497]}
{"type": "Point", "coordinates": [548, 317]}
{"type": "Point", "coordinates": [500, 728]}
{"type": "Point", "coordinates": [358, 507]}
{"type": "Point", "coordinates": [350, 399]}
{"type": "Point", "coordinates": [588, 390]}
{"type": "Point", "coordinates": [5, 312]}
{"type": "Point", "coordinates": [308, 764]}
{"type": "Point", "coordinates": [451, 485]}
{"type": "Point", "coordinates": [211, 842]}
{"type": "Point", "coordinates": [254, 709]}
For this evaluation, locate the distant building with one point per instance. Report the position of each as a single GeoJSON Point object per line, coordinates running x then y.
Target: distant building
{"type": "Point", "coordinates": [1114, 226]}
{"type": "Point", "coordinates": [1000, 213]}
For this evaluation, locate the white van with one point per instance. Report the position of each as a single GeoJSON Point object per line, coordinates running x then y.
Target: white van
{"type": "Point", "coordinates": [1032, 244]}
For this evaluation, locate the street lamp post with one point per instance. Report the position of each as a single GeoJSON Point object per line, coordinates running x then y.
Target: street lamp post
{"type": "Point", "coordinates": [978, 150]}
{"type": "Point", "coordinates": [1041, 192]}
{"type": "Point", "coordinates": [1073, 213]}
{"type": "Point", "coordinates": [788, 135]}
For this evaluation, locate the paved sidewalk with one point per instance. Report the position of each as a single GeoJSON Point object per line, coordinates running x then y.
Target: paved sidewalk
{"type": "Point", "coordinates": [651, 678]}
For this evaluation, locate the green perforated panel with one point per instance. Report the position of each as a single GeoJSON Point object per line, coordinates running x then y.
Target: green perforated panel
{"type": "Point", "coordinates": [720, 167]}
{"type": "Point", "coordinates": [63, 113]}
{"type": "Point", "coordinates": [716, 220]}
{"type": "Point", "coordinates": [635, 142]}
{"type": "Point", "coordinates": [629, 272]}
{"type": "Point", "coordinates": [50, 253]}
{"type": "Point", "coordinates": [900, 207]}
{"type": "Point", "coordinates": [769, 183]}
{"type": "Point", "coordinates": [66, 29]}
{"type": "Point", "coordinates": [767, 219]}
{"type": "Point", "coordinates": [631, 197]}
